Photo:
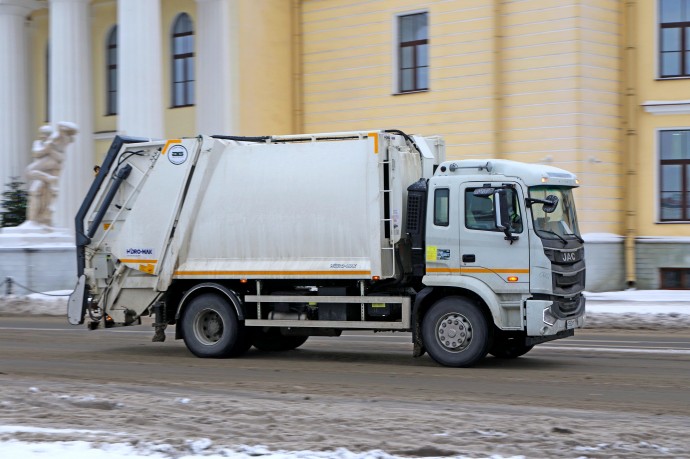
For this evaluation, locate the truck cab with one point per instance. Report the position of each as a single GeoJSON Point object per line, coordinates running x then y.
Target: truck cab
{"type": "Point", "coordinates": [506, 235]}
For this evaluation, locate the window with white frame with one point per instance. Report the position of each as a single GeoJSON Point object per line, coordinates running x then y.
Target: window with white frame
{"type": "Point", "coordinates": [674, 38]}
{"type": "Point", "coordinates": [674, 175]}
{"type": "Point", "coordinates": [413, 52]}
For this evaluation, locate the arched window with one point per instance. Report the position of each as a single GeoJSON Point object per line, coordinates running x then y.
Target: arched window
{"type": "Point", "coordinates": [111, 72]}
{"type": "Point", "coordinates": [182, 61]}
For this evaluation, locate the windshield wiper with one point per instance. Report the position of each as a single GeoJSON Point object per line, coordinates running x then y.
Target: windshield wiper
{"type": "Point", "coordinates": [582, 241]}
{"type": "Point", "coordinates": [551, 232]}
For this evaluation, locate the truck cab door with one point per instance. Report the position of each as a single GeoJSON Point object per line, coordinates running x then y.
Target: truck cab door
{"type": "Point", "coordinates": [486, 253]}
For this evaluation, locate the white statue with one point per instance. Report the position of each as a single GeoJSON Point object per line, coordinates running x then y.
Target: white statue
{"type": "Point", "coordinates": [43, 173]}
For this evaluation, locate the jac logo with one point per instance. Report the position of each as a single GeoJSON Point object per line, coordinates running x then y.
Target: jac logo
{"type": "Point", "coordinates": [569, 256]}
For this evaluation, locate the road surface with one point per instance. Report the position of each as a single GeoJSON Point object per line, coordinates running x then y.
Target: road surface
{"type": "Point", "coordinates": [599, 394]}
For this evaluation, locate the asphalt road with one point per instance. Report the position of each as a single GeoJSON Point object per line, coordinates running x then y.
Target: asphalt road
{"type": "Point", "coordinates": [625, 371]}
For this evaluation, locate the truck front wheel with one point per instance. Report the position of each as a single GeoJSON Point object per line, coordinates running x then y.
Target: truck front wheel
{"type": "Point", "coordinates": [211, 329]}
{"type": "Point", "coordinates": [455, 332]}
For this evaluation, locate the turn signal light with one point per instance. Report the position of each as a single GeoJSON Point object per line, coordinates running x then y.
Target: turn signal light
{"type": "Point", "coordinates": [512, 278]}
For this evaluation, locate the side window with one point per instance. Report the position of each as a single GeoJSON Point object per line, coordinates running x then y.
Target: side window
{"type": "Point", "coordinates": [479, 211]}
{"type": "Point", "coordinates": [441, 206]}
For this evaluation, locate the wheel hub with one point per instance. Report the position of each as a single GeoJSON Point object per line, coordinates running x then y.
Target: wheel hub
{"type": "Point", "coordinates": [208, 327]}
{"type": "Point", "coordinates": [454, 332]}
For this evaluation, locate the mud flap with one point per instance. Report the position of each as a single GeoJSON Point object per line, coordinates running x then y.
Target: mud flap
{"type": "Point", "coordinates": [76, 305]}
{"type": "Point", "coordinates": [418, 350]}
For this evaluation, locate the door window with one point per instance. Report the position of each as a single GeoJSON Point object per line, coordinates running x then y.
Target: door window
{"type": "Point", "coordinates": [479, 211]}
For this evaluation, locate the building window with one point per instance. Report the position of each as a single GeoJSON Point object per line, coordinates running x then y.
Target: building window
{"type": "Point", "coordinates": [674, 175]}
{"type": "Point", "coordinates": [441, 207]}
{"type": "Point", "coordinates": [413, 53]}
{"type": "Point", "coordinates": [47, 113]}
{"type": "Point", "coordinates": [182, 62]}
{"type": "Point", "coordinates": [675, 278]}
{"type": "Point", "coordinates": [111, 72]}
{"type": "Point", "coordinates": [674, 38]}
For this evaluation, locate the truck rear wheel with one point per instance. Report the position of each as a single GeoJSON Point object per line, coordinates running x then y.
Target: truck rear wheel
{"type": "Point", "coordinates": [210, 328]}
{"type": "Point", "coordinates": [455, 332]}
{"type": "Point", "coordinates": [272, 340]}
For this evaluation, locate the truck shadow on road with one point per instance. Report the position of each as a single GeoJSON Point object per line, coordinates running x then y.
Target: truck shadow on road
{"type": "Point", "coordinates": [305, 356]}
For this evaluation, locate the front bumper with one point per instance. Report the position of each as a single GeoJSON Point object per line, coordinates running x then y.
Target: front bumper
{"type": "Point", "coordinates": [543, 319]}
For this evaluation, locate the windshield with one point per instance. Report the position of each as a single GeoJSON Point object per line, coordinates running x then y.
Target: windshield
{"type": "Point", "coordinates": [562, 222]}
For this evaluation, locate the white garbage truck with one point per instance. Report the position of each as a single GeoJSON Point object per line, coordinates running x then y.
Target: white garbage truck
{"type": "Point", "coordinates": [266, 241]}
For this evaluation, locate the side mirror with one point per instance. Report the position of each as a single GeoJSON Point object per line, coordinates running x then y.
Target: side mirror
{"type": "Point", "coordinates": [551, 204]}
{"type": "Point", "coordinates": [502, 214]}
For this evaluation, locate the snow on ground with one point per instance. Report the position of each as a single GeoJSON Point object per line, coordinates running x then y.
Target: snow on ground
{"type": "Point", "coordinates": [202, 448]}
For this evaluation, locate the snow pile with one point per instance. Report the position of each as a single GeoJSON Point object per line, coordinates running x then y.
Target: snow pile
{"type": "Point", "coordinates": [37, 304]}
{"type": "Point", "coordinates": [639, 309]}
{"type": "Point", "coordinates": [197, 449]}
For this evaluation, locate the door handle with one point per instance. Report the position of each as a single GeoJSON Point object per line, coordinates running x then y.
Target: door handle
{"type": "Point", "coordinates": [468, 258]}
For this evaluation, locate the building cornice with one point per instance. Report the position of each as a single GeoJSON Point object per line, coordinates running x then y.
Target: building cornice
{"type": "Point", "coordinates": [667, 107]}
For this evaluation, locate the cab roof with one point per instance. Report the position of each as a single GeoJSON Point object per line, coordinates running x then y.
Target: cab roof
{"type": "Point", "coordinates": [530, 174]}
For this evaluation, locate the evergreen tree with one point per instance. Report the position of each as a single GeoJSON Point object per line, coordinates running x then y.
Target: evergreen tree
{"type": "Point", "coordinates": [13, 205]}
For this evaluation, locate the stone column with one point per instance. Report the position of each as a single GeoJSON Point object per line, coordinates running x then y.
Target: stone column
{"type": "Point", "coordinates": [217, 64]}
{"type": "Point", "coordinates": [15, 101]}
{"type": "Point", "coordinates": [71, 100]}
{"type": "Point", "coordinates": [140, 64]}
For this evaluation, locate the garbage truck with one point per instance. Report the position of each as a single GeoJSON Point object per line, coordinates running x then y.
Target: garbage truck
{"type": "Point", "coordinates": [266, 241]}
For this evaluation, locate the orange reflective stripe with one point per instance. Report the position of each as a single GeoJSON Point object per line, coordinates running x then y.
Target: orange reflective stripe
{"type": "Point", "coordinates": [268, 273]}
{"type": "Point", "coordinates": [168, 143]}
{"type": "Point", "coordinates": [479, 270]}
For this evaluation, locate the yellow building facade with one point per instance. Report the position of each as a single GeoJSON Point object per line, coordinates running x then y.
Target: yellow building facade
{"type": "Point", "coordinates": [592, 86]}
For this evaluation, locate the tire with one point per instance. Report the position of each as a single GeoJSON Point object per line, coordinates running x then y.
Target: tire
{"type": "Point", "coordinates": [505, 346]}
{"type": "Point", "coordinates": [455, 332]}
{"type": "Point", "coordinates": [272, 340]}
{"type": "Point", "coordinates": [210, 328]}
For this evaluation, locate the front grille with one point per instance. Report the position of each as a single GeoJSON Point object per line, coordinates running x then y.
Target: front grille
{"type": "Point", "coordinates": [568, 282]}
{"type": "Point", "coordinates": [561, 257]}
{"type": "Point", "coordinates": [567, 269]}
{"type": "Point", "coordinates": [567, 307]}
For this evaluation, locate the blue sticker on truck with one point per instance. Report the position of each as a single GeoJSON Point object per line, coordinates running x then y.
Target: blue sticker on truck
{"type": "Point", "coordinates": [443, 254]}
